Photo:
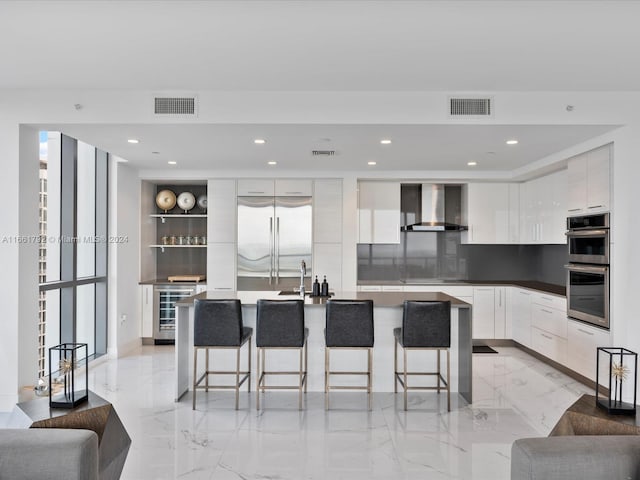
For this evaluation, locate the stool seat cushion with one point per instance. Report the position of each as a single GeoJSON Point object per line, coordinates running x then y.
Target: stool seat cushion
{"type": "Point", "coordinates": [280, 323]}
{"type": "Point", "coordinates": [349, 323]}
{"type": "Point", "coordinates": [218, 323]}
{"type": "Point", "coordinates": [426, 324]}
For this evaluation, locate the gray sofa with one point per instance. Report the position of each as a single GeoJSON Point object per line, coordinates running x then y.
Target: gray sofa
{"type": "Point", "coordinates": [48, 453]}
{"type": "Point", "coordinates": [579, 457]}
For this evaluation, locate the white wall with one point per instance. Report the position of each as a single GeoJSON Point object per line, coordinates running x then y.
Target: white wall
{"type": "Point", "coordinates": [124, 259]}
{"type": "Point", "coordinates": [26, 107]}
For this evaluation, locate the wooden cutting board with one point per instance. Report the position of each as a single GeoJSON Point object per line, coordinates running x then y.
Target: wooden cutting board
{"type": "Point", "coordinates": [186, 278]}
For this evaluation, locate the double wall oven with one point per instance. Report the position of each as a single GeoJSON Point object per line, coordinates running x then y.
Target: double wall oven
{"type": "Point", "coordinates": [588, 269]}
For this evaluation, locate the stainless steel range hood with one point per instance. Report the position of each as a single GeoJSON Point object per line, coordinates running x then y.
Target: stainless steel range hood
{"type": "Point", "coordinates": [431, 207]}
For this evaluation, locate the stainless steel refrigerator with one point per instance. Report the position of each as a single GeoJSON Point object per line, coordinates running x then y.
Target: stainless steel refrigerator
{"type": "Point", "coordinates": [274, 236]}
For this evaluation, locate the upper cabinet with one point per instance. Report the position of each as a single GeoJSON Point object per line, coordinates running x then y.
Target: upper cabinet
{"type": "Point", "coordinates": [288, 187]}
{"type": "Point", "coordinates": [543, 209]}
{"type": "Point", "coordinates": [588, 181]}
{"type": "Point", "coordinates": [492, 213]}
{"type": "Point", "coordinates": [378, 212]}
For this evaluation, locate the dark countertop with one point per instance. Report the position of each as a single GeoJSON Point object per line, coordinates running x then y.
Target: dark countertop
{"type": "Point", "coordinates": [533, 285]}
{"type": "Point", "coordinates": [380, 299]}
{"type": "Point", "coordinates": [164, 281]}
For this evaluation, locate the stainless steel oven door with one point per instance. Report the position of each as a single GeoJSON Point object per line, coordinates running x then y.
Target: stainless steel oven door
{"type": "Point", "coordinates": [589, 246]}
{"type": "Point", "coordinates": [588, 293]}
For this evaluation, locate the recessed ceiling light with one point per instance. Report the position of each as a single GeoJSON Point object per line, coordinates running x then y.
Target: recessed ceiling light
{"type": "Point", "coordinates": [172, 162]}
{"type": "Point", "coordinates": [156, 153]}
{"type": "Point", "coordinates": [272, 163]}
{"type": "Point", "coordinates": [259, 141]}
{"type": "Point", "coordinates": [133, 140]}
{"type": "Point", "coordinates": [472, 164]}
{"type": "Point", "coordinates": [371, 163]}
{"type": "Point", "coordinates": [386, 141]}
{"type": "Point", "coordinates": [512, 142]}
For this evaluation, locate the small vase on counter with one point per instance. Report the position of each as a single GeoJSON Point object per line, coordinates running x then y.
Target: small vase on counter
{"type": "Point", "coordinates": [324, 288]}
{"type": "Point", "coordinates": [315, 290]}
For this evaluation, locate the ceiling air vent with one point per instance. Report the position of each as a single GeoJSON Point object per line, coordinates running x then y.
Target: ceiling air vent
{"type": "Point", "coordinates": [326, 153]}
{"type": "Point", "coordinates": [175, 106]}
{"type": "Point", "coordinates": [470, 107]}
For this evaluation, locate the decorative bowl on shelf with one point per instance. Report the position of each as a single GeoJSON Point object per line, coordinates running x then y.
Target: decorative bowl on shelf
{"type": "Point", "coordinates": [202, 202]}
{"type": "Point", "coordinates": [186, 201]}
{"type": "Point", "coordinates": [165, 200]}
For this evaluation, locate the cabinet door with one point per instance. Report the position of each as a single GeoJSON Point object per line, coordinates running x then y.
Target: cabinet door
{"type": "Point", "coordinates": [549, 345]}
{"type": "Point", "coordinates": [250, 187]}
{"type": "Point", "coordinates": [500, 312]}
{"type": "Point", "coordinates": [551, 193]}
{"type": "Point", "coordinates": [221, 266]}
{"type": "Point", "coordinates": [576, 182]}
{"type": "Point", "coordinates": [582, 342]}
{"type": "Point", "coordinates": [379, 212]}
{"type": "Point", "coordinates": [597, 185]}
{"type": "Point", "coordinates": [521, 317]}
{"type": "Point", "coordinates": [528, 218]}
{"type": "Point", "coordinates": [514, 213]}
{"type": "Point", "coordinates": [147, 311]}
{"type": "Point", "coordinates": [327, 260]}
{"type": "Point", "coordinates": [483, 312]}
{"type": "Point", "coordinates": [488, 212]}
{"type": "Point", "coordinates": [549, 319]}
{"type": "Point", "coordinates": [293, 188]}
{"type": "Point", "coordinates": [327, 211]}
{"type": "Point", "coordinates": [221, 211]}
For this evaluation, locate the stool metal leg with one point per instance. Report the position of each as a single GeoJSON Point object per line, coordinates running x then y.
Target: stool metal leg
{"type": "Point", "coordinates": [237, 377]}
{"type": "Point", "coordinates": [369, 375]}
{"type": "Point", "coordinates": [395, 365]}
{"type": "Point", "coordinates": [195, 375]}
{"type": "Point", "coordinates": [206, 368]}
{"type": "Point", "coordinates": [300, 386]}
{"type": "Point", "coordinates": [326, 378]}
{"type": "Point", "coordinates": [448, 382]}
{"type": "Point", "coordinates": [258, 375]}
{"type": "Point", "coordinates": [306, 362]}
{"type": "Point", "coordinates": [438, 377]}
{"type": "Point", "coordinates": [404, 351]}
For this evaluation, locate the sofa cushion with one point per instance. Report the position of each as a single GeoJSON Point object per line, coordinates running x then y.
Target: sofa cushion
{"type": "Point", "coordinates": [581, 457]}
{"type": "Point", "coordinates": [51, 453]}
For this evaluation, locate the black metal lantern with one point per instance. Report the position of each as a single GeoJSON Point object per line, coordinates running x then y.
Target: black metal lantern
{"type": "Point", "coordinates": [621, 365]}
{"type": "Point", "coordinates": [70, 387]}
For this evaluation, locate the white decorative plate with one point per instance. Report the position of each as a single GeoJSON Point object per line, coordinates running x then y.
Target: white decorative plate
{"type": "Point", "coordinates": [166, 200]}
{"type": "Point", "coordinates": [186, 201]}
{"type": "Point", "coordinates": [202, 202]}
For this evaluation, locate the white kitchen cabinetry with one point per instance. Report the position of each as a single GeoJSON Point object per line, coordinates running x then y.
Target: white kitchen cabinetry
{"type": "Point", "coordinates": [489, 312]}
{"type": "Point", "coordinates": [327, 261]}
{"type": "Point", "coordinates": [221, 211]}
{"type": "Point", "coordinates": [521, 316]}
{"type": "Point", "coordinates": [543, 210]}
{"type": "Point", "coordinates": [146, 314]}
{"type": "Point", "coordinates": [293, 188]}
{"type": "Point", "coordinates": [327, 211]}
{"type": "Point", "coordinates": [378, 212]}
{"type": "Point", "coordinates": [250, 187]}
{"type": "Point", "coordinates": [589, 181]}
{"type": "Point", "coordinates": [582, 342]}
{"type": "Point", "coordinates": [221, 266]}
{"type": "Point", "coordinates": [489, 213]}
{"type": "Point", "coordinates": [549, 326]}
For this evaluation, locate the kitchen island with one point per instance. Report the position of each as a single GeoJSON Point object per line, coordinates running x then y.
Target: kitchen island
{"type": "Point", "coordinates": [387, 316]}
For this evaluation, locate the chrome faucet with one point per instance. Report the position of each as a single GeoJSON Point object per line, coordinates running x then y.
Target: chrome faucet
{"type": "Point", "coordinates": [303, 272]}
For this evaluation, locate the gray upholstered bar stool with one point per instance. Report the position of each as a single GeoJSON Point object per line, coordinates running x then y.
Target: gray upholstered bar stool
{"type": "Point", "coordinates": [217, 324]}
{"type": "Point", "coordinates": [425, 326]}
{"type": "Point", "coordinates": [280, 325]}
{"type": "Point", "coordinates": [349, 325]}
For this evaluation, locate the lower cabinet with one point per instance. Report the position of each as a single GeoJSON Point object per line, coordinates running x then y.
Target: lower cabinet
{"type": "Point", "coordinates": [520, 312]}
{"type": "Point", "coordinates": [489, 312]}
{"type": "Point", "coordinates": [549, 345]}
{"type": "Point", "coordinates": [582, 342]}
{"type": "Point", "coordinates": [146, 314]}
{"type": "Point", "coordinates": [221, 273]}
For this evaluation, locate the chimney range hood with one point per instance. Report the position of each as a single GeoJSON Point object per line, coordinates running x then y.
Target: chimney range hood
{"type": "Point", "coordinates": [431, 207]}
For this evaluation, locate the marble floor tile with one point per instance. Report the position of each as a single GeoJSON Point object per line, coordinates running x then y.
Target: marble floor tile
{"type": "Point", "coordinates": [515, 396]}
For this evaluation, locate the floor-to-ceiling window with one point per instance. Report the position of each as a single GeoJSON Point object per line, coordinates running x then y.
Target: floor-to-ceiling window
{"type": "Point", "coordinates": [73, 245]}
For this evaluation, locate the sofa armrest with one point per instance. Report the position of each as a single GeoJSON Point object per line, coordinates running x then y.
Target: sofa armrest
{"type": "Point", "coordinates": [51, 453]}
{"type": "Point", "coordinates": [580, 457]}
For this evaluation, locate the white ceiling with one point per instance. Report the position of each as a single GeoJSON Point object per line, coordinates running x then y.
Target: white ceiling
{"type": "Point", "coordinates": [324, 45]}
{"type": "Point", "coordinates": [413, 147]}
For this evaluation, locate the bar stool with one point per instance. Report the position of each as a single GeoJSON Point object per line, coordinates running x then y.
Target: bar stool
{"type": "Point", "coordinates": [425, 326]}
{"type": "Point", "coordinates": [217, 324]}
{"type": "Point", "coordinates": [280, 325]}
{"type": "Point", "coordinates": [349, 325]}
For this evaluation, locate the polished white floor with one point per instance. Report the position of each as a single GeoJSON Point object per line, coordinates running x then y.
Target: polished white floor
{"type": "Point", "coordinates": [515, 396]}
